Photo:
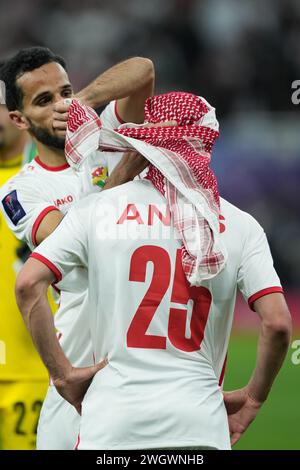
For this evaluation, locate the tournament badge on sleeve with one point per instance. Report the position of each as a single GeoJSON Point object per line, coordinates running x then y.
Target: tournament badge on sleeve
{"type": "Point", "coordinates": [13, 207]}
{"type": "Point", "coordinates": [99, 176]}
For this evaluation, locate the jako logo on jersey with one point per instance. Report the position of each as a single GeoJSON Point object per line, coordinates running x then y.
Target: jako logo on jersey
{"type": "Point", "coordinates": [64, 200]}
{"type": "Point", "coordinates": [12, 207]}
{"type": "Point", "coordinates": [99, 176]}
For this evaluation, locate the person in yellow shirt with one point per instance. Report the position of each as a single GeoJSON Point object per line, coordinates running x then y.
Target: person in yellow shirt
{"type": "Point", "coordinates": [23, 378]}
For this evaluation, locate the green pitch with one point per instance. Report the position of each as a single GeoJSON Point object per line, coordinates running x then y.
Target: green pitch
{"type": "Point", "coordinates": [278, 423]}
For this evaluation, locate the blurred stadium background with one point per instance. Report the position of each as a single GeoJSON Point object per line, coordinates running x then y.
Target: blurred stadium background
{"type": "Point", "coordinates": [243, 57]}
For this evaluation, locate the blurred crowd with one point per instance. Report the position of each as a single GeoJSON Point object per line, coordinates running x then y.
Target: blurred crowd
{"type": "Point", "coordinates": [242, 55]}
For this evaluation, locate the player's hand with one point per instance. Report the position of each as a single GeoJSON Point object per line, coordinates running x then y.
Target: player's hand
{"type": "Point", "coordinates": [241, 410]}
{"type": "Point", "coordinates": [60, 114]}
{"type": "Point", "coordinates": [74, 385]}
{"type": "Point", "coordinates": [131, 165]}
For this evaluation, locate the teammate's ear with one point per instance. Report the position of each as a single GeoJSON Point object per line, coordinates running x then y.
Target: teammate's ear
{"type": "Point", "coordinates": [19, 120]}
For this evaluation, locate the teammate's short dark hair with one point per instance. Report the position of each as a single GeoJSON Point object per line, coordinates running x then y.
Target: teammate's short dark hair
{"type": "Point", "coordinates": [25, 60]}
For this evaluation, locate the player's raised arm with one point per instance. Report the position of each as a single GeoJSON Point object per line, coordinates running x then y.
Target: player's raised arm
{"type": "Point", "coordinates": [130, 108]}
{"type": "Point", "coordinates": [130, 83]}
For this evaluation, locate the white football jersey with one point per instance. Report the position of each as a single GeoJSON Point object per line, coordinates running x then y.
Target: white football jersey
{"type": "Point", "coordinates": [35, 191]}
{"type": "Point", "coordinates": [166, 342]}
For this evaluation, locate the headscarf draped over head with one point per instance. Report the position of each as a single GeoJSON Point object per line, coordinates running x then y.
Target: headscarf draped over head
{"type": "Point", "coordinates": [179, 168]}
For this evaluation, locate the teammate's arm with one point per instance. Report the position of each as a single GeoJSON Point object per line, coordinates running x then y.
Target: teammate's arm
{"type": "Point", "coordinates": [275, 333]}
{"type": "Point", "coordinates": [130, 82]}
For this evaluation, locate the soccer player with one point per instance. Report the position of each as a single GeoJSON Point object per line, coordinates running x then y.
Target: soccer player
{"type": "Point", "coordinates": [165, 341]}
{"type": "Point", "coordinates": [35, 201]}
{"type": "Point", "coordinates": [23, 378]}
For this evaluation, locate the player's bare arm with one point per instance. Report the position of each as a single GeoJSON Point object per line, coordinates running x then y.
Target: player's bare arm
{"type": "Point", "coordinates": [48, 225]}
{"type": "Point", "coordinates": [131, 82]}
{"type": "Point", "coordinates": [275, 333]}
{"type": "Point", "coordinates": [31, 294]}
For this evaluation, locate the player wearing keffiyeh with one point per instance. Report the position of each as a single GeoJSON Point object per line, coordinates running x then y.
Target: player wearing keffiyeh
{"type": "Point", "coordinates": [180, 168]}
{"type": "Point", "coordinates": [166, 341]}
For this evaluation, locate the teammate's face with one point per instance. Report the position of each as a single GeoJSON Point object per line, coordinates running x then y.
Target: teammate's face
{"type": "Point", "coordinates": [8, 132]}
{"type": "Point", "coordinates": [42, 88]}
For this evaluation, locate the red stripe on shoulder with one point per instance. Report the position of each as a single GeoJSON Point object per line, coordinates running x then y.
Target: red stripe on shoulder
{"type": "Point", "coordinates": [38, 222]}
{"type": "Point", "coordinates": [262, 293]}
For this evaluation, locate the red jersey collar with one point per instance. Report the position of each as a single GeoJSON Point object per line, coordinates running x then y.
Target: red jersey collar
{"type": "Point", "coordinates": [51, 168]}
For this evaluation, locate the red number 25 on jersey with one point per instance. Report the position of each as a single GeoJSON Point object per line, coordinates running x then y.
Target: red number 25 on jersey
{"type": "Point", "coordinates": [181, 294]}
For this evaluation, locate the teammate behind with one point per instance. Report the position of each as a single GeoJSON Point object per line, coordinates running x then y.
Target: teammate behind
{"type": "Point", "coordinates": [165, 342]}
{"type": "Point", "coordinates": [23, 378]}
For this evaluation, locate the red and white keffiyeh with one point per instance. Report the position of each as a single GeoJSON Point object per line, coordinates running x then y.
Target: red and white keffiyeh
{"type": "Point", "coordinates": [179, 169]}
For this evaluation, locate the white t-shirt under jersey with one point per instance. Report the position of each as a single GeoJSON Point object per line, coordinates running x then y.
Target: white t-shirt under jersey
{"type": "Point", "coordinates": [166, 342]}
{"type": "Point", "coordinates": [39, 189]}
